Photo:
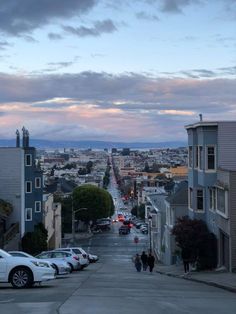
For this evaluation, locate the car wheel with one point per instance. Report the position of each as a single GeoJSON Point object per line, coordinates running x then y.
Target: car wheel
{"type": "Point", "coordinates": [21, 277]}
{"type": "Point", "coordinates": [56, 269]}
{"type": "Point", "coordinates": [71, 267]}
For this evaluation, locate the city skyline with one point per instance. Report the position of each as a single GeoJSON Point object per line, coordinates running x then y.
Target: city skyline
{"type": "Point", "coordinates": [116, 71]}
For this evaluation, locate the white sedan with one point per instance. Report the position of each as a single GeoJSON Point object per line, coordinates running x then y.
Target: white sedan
{"type": "Point", "coordinates": [23, 272]}
{"type": "Point", "coordinates": [61, 267]}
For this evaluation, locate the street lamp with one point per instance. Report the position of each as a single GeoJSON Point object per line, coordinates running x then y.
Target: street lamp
{"type": "Point", "coordinates": [150, 236]}
{"type": "Point", "coordinates": [73, 220]}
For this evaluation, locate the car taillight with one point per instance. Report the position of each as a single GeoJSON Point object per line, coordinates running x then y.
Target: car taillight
{"type": "Point", "coordinates": [76, 257]}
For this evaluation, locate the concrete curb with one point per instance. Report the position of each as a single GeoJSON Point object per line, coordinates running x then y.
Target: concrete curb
{"type": "Point", "coordinates": [209, 283]}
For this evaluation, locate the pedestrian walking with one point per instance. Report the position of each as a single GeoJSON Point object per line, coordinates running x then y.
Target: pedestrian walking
{"type": "Point", "coordinates": [144, 259]}
{"type": "Point", "coordinates": [151, 262]}
{"type": "Point", "coordinates": [137, 263]}
{"type": "Point", "coordinates": [186, 256]}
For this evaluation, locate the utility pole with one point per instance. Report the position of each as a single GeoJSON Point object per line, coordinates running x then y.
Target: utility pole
{"type": "Point", "coordinates": [73, 219]}
{"type": "Point", "coordinates": [150, 235]}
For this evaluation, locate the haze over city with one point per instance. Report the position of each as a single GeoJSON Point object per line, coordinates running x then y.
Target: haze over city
{"type": "Point", "coordinates": [115, 70]}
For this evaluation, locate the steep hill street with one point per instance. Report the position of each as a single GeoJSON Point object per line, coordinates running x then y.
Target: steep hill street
{"type": "Point", "coordinates": [113, 286]}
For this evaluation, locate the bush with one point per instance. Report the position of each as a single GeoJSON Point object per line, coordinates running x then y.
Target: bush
{"type": "Point", "coordinates": [35, 242]}
{"type": "Point", "coordinates": [195, 236]}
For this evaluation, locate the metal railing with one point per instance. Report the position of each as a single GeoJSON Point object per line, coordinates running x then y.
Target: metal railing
{"type": "Point", "coordinates": [10, 233]}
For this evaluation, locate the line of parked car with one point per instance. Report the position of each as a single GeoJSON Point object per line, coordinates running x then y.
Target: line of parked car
{"type": "Point", "coordinates": [23, 270]}
{"type": "Point", "coordinates": [129, 222]}
{"type": "Point", "coordinates": [141, 225]}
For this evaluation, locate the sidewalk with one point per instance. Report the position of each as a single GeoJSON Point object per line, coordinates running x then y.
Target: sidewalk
{"type": "Point", "coordinates": [220, 279]}
{"type": "Point", "coordinates": [78, 236]}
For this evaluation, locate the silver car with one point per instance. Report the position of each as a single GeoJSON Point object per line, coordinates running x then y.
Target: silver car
{"type": "Point", "coordinates": [72, 259]}
{"type": "Point", "coordinates": [79, 252]}
{"type": "Point", "coordinates": [61, 267]}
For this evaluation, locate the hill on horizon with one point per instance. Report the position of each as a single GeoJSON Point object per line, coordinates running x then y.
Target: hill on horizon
{"type": "Point", "coordinates": [43, 144]}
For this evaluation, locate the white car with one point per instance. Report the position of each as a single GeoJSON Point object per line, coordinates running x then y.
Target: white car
{"type": "Point", "coordinates": [23, 272]}
{"type": "Point", "coordinates": [92, 258]}
{"type": "Point", "coordinates": [83, 256]}
{"type": "Point", "coordinates": [61, 267]}
{"type": "Point", "coordinates": [71, 258]}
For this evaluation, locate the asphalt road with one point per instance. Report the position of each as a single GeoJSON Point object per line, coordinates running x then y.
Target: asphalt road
{"type": "Point", "coordinates": [112, 286]}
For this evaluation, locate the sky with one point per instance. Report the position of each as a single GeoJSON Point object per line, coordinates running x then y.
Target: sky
{"type": "Point", "coordinates": [115, 70]}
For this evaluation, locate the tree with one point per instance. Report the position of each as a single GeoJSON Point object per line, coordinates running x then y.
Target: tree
{"type": "Point", "coordinates": [106, 178]}
{"type": "Point", "coordinates": [89, 166]}
{"type": "Point", "coordinates": [194, 235]}
{"type": "Point", "coordinates": [134, 210]}
{"type": "Point", "coordinates": [36, 241]}
{"type": "Point", "coordinates": [141, 211]}
{"type": "Point", "coordinates": [146, 167]}
{"type": "Point", "coordinates": [98, 202]}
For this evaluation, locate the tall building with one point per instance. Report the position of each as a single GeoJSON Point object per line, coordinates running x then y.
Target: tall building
{"type": "Point", "coordinates": [21, 185]}
{"type": "Point", "coordinates": [212, 183]}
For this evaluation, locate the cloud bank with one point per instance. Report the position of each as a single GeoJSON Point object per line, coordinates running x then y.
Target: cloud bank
{"type": "Point", "coordinates": [128, 106]}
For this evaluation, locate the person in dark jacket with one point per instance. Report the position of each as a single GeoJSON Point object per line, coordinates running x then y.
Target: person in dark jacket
{"type": "Point", "coordinates": [144, 259]}
{"type": "Point", "coordinates": [186, 256]}
{"type": "Point", "coordinates": [151, 262]}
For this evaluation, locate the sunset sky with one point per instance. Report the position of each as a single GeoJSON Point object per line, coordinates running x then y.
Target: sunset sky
{"type": "Point", "coordinates": [117, 70]}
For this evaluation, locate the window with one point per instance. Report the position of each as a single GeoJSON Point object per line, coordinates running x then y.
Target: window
{"type": "Point", "coordinates": [190, 156]}
{"type": "Point", "coordinates": [28, 187]}
{"type": "Point", "coordinates": [28, 160]}
{"type": "Point", "coordinates": [190, 198]}
{"type": "Point", "coordinates": [200, 151]}
{"type": "Point", "coordinates": [28, 214]}
{"type": "Point", "coordinates": [222, 201]}
{"type": "Point", "coordinates": [210, 158]}
{"type": "Point", "coordinates": [199, 199]}
{"type": "Point", "coordinates": [37, 182]}
{"type": "Point", "coordinates": [196, 159]}
{"type": "Point", "coordinates": [212, 194]}
{"type": "Point", "coordinates": [37, 206]}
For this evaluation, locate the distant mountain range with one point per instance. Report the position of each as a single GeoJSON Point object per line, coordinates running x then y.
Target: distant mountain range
{"type": "Point", "coordinates": [46, 144]}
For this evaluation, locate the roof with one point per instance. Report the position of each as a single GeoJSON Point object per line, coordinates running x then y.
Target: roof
{"type": "Point", "coordinates": [64, 185]}
{"type": "Point", "coordinates": [201, 123]}
{"type": "Point", "coordinates": [207, 123]}
{"type": "Point", "coordinates": [180, 196]}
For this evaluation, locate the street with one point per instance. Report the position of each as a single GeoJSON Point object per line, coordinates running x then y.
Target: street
{"type": "Point", "coordinates": [112, 285]}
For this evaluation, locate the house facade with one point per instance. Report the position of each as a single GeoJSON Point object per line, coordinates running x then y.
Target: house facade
{"type": "Point", "coordinates": [212, 185]}
{"type": "Point", "coordinates": [21, 185]}
{"type": "Point", "coordinates": [155, 216]}
{"type": "Point", "coordinates": [176, 206]}
{"type": "Point", "coordinates": [52, 221]}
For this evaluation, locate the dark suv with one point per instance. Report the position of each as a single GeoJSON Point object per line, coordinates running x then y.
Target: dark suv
{"type": "Point", "coordinates": [124, 230]}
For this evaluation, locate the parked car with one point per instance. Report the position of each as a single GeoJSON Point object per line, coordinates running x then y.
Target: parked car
{"type": "Point", "coordinates": [23, 272]}
{"type": "Point", "coordinates": [103, 224]}
{"type": "Point", "coordinates": [61, 267]}
{"type": "Point", "coordinates": [124, 230]}
{"type": "Point", "coordinates": [144, 230]}
{"type": "Point", "coordinates": [93, 258]}
{"type": "Point", "coordinates": [128, 223]}
{"type": "Point", "coordinates": [72, 259]}
{"type": "Point", "coordinates": [78, 251]}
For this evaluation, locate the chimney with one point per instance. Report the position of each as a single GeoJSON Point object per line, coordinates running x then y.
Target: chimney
{"type": "Point", "coordinates": [17, 138]}
{"type": "Point", "coordinates": [26, 138]}
{"type": "Point", "coordinates": [200, 116]}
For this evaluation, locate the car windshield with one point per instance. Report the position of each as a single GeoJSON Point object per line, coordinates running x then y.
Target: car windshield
{"type": "Point", "coordinates": [77, 251]}
{"type": "Point", "coordinates": [43, 255]}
